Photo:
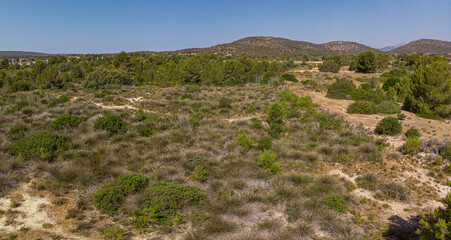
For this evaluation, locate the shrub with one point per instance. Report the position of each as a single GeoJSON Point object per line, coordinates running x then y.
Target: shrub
{"type": "Point", "coordinates": [411, 146]}
{"type": "Point", "coordinates": [401, 116]}
{"type": "Point", "coordinates": [275, 130]}
{"type": "Point", "coordinates": [111, 123]}
{"type": "Point", "coordinates": [199, 174]}
{"type": "Point", "coordinates": [144, 131]}
{"type": "Point", "coordinates": [362, 107]}
{"type": "Point", "coordinates": [268, 77]}
{"type": "Point", "coordinates": [67, 121]}
{"type": "Point", "coordinates": [264, 143]}
{"type": "Point", "coordinates": [340, 89]}
{"type": "Point", "coordinates": [225, 102]}
{"type": "Point", "coordinates": [437, 225]}
{"type": "Point", "coordinates": [276, 113]}
{"type": "Point", "coordinates": [395, 191]}
{"type": "Point", "coordinates": [196, 160]}
{"type": "Point", "coordinates": [336, 203]}
{"type": "Point", "coordinates": [17, 132]}
{"type": "Point", "coordinates": [21, 85]}
{"type": "Point", "coordinates": [413, 132]}
{"type": "Point", "coordinates": [130, 183]}
{"type": "Point", "coordinates": [289, 77]}
{"type": "Point", "coordinates": [43, 145]}
{"type": "Point", "coordinates": [366, 62]}
{"type": "Point", "coordinates": [445, 152]}
{"type": "Point", "coordinates": [388, 107]}
{"type": "Point", "coordinates": [367, 95]}
{"type": "Point", "coordinates": [390, 82]}
{"type": "Point", "coordinates": [56, 101]}
{"type": "Point", "coordinates": [326, 121]}
{"type": "Point", "coordinates": [388, 126]}
{"type": "Point", "coordinates": [251, 108]}
{"type": "Point", "coordinates": [268, 161]}
{"type": "Point", "coordinates": [245, 140]}
{"type": "Point", "coordinates": [102, 77]}
{"type": "Point", "coordinates": [113, 233]}
{"type": "Point", "coordinates": [329, 66]}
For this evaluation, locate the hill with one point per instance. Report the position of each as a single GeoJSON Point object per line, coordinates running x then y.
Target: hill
{"type": "Point", "coordinates": [20, 54]}
{"type": "Point", "coordinates": [427, 46]}
{"type": "Point", "coordinates": [279, 46]}
{"type": "Point", "coordinates": [347, 47]}
{"type": "Point", "coordinates": [389, 48]}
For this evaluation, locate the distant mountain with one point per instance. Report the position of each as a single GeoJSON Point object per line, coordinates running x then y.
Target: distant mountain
{"type": "Point", "coordinates": [427, 46]}
{"type": "Point", "coordinates": [21, 54]}
{"type": "Point", "coordinates": [347, 47]}
{"type": "Point", "coordinates": [389, 48]}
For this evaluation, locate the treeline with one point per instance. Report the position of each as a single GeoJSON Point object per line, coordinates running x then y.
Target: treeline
{"type": "Point", "coordinates": [124, 69]}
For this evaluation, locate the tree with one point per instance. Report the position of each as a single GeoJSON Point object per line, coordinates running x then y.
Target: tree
{"type": "Point", "coordinates": [366, 62]}
{"type": "Point", "coordinates": [382, 61]}
{"type": "Point", "coordinates": [329, 66]}
{"type": "Point", "coordinates": [121, 59]}
{"type": "Point", "coordinates": [49, 78]}
{"type": "Point", "coordinates": [4, 64]}
{"type": "Point", "coordinates": [430, 94]}
{"type": "Point", "coordinates": [37, 68]}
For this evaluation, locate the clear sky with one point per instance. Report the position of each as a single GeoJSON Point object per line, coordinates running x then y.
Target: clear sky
{"type": "Point", "coordinates": [81, 26]}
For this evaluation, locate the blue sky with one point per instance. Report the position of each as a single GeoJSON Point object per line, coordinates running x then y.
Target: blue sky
{"type": "Point", "coordinates": [81, 26]}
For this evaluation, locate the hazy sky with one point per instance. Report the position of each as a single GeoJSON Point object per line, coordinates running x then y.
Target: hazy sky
{"type": "Point", "coordinates": [80, 26]}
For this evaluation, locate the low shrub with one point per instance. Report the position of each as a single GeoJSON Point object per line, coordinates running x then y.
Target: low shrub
{"type": "Point", "coordinates": [340, 89]}
{"type": "Point", "coordinates": [436, 225]}
{"type": "Point", "coordinates": [111, 123]}
{"type": "Point", "coordinates": [336, 203]}
{"type": "Point", "coordinates": [43, 145]}
{"type": "Point", "coordinates": [113, 233]}
{"type": "Point", "coordinates": [366, 95]}
{"type": "Point", "coordinates": [17, 132]}
{"type": "Point", "coordinates": [21, 85]}
{"type": "Point", "coordinates": [289, 77]}
{"type": "Point", "coordinates": [329, 66]}
{"type": "Point", "coordinates": [268, 161]}
{"type": "Point", "coordinates": [389, 126]}
{"type": "Point", "coordinates": [269, 77]}
{"type": "Point", "coordinates": [102, 77]}
{"type": "Point", "coordinates": [199, 174]}
{"type": "Point", "coordinates": [245, 140]}
{"type": "Point", "coordinates": [196, 160]}
{"type": "Point", "coordinates": [388, 108]}
{"type": "Point", "coordinates": [276, 113]}
{"type": "Point", "coordinates": [445, 152]}
{"type": "Point", "coordinates": [326, 121]}
{"type": "Point", "coordinates": [362, 107]}
{"type": "Point", "coordinates": [401, 116]}
{"type": "Point", "coordinates": [413, 132]}
{"type": "Point", "coordinates": [411, 145]}
{"type": "Point", "coordinates": [225, 102]}
{"type": "Point", "coordinates": [59, 100]}
{"type": "Point", "coordinates": [130, 183]}
{"type": "Point", "coordinates": [67, 121]}
{"type": "Point", "coordinates": [264, 143]}
{"type": "Point", "coordinates": [144, 131]}
{"type": "Point", "coordinates": [395, 191]}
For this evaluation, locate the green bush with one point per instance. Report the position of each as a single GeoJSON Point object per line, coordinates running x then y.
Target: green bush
{"type": "Point", "coordinates": [326, 121]}
{"type": "Point", "coordinates": [329, 66]}
{"type": "Point", "coordinates": [264, 143]}
{"type": "Point", "coordinates": [276, 113]}
{"type": "Point", "coordinates": [289, 77]}
{"type": "Point", "coordinates": [413, 132]}
{"type": "Point", "coordinates": [388, 108]}
{"type": "Point", "coordinates": [113, 233]}
{"type": "Point", "coordinates": [225, 102]}
{"type": "Point", "coordinates": [111, 123]}
{"type": "Point", "coordinates": [17, 132]}
{"type": "Point", "coordinates": [43, 145]}
{"type": "Point", "coordinates": [336, 203]}
{"type": "Point", "coordinates": [102, 77]}
{"type": "Point", "coordinates": [144, 131]}
{"type": "Point", "coordinates": [340, 89]}
{"type": "Point", "coordinates": [268, 77]}
{"type": "Point", "coordinates": [366, 95]}
{"type": "Point", "coordinates": [390, 82]}
{"type": "Point", "coordinates": [411, 146]}
{"type": "Point", "coordinates": [389, 126]}
{"type": "Point", "coordinates": [21, 85]}
{"type": "Point", "coordinates": [275, 130]}
{"type": "Point", "coordinates": [199, 174]}
{"type": "Point", "coordinates": [196, 160]}
{"type": "Point", "coordinates": [67, 121]}
{"type": "Point", "coordinates": [366, 62]}
{"type": "Point", "coordinates": [130, 183]}
{"type": "Point", "coordinates": [437, 225]}
{"type": "Point", "coordinates": [268, 161]}
{"type": "Point", "coordinates": [445, 152]}
{"type": "Point", "coordinates": [401, 116]}
{"type": "Point", "coordinates": [362, 107]}
{"type": "Point", "coordinates": [56, 101]}
{"type": "Point", "coordinates": [245, 140]}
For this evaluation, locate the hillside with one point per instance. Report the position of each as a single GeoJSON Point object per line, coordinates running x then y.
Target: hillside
{"type": "Point", "coordinates": [347, 47]}
{"type": "Point", "coordinates": [427, 46]}
{"type": "Point", "coordinates": [20, 54]}
{"type": "Point", "coordinates": [279, 46]}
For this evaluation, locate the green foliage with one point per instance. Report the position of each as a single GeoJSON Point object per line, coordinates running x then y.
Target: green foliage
{"type": "Point", "coordinates": [196, 160]}
{"type": "Point", "coordinates": [401, 116]}
{"type": "Point", "coordinates": [437, 225]}
{"type": "Point", "coordinates": [43, 145]}
{"type": "Point", "coordinates": [390, 82]}
{"type": "Point", "coordinates": [413, 132]}
{"type": "Point", "coordinates": [17, 132]}
{"type": "Point", "coordinates": [340, 89]}
{"type": "Point", "coordinates": [113, 233]}
{"type": "Point", "coordinates": [329, 66]}
{"type": "Point", "coordinates": [144, 131]}
{"type": "Point", "coordinates": [445, 152]}
{"type": "Point", "coordinates": [199, 174]}
{"type": "Point", "coordinates": [130, 183]}
{"type": "Point", "coordinates": [225, 102]}
{"type": "Point", "coordinates": [21, 85]}
{"type": "Point", "coordinates": [245, 140]}
{"type": "Point", "coordinates": [336, 203]}
{"type": "Point", "coordinates": [251, 108]}
{"type": "Point", "coordinates": [430, 94]}
{"type": "Point", "coordinates": [411, 145]}
{"type": "Point", "coordinates": [366, 62]}
{"type": "Point", "coordinates": [388, 108]}
{"type": "Point", "coordinates": [102, 78]}
{"type": "Point", "coordinates": [276, 113]}
{"type": "Point", "coordinates": [67, 121]}
{"type": "Point", "coordinates": [289, 77]}
{"type": "Point", "coordinates": [389, 126]}
{"type": "Point", "coordinates": [362, 107]}
{"type": "Point", "coordinates": [59, 100]}
{"type": "Point", "coordinates": [326, 121]}
{"type": "Point", "coordinates": [367, 95]}
{"type": "Point", "coordinates": [162, 201]}
{"type": "Point", "coordinates": [264, 143]}
{"type": "Point", "coordinates": [268, 161]}
{"type": "Point", "coordinates": [111, 123]}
